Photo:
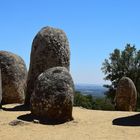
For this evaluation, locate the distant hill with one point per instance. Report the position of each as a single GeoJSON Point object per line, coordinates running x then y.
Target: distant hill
{"type": "Point", "coordinates": [94, 90]}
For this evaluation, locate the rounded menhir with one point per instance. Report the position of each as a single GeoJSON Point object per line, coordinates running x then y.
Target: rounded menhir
{"type": "Point", "coordinates": [13, 75]}
{"type": "Point", "coordinates": [53, 95]}
{"type": "Point", "coordinates": [126, 95]}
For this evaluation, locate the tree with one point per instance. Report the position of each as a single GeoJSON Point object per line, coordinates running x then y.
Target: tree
{"type": "Point", "coordinates": [119, 64]}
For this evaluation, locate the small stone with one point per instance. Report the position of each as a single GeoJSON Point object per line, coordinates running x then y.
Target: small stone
{"type": "Point", "coordinates": [57, 93]}
{"type": "Point", "coordinates": [36, 121]}
{"type": "Point", "coordinates": [126, 95]}
{"type": "Point", "coordinates": [16, 122]}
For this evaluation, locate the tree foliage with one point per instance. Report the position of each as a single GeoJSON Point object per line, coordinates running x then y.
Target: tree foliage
{"type": "Point", "coordinates": [119, 64]}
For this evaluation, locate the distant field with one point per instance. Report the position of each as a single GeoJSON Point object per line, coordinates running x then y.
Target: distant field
{"type": "Point", "coordinates": [94, 90]}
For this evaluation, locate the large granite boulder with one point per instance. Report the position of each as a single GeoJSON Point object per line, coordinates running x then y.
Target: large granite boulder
{"type": "Point", "coordinates": [53, 95]}
{"type": "Point", "coordinates": [50, 48]}
{"type": "Point", "coordinates": [126, 95]}
{"type": "Point", "coordinates": [0, 88]}
{"type": "Point", "coordinates": [14, 75]}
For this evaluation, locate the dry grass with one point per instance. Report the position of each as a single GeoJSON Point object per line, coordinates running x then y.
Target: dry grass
{"type": "Point", "coordinates": [87, 125]}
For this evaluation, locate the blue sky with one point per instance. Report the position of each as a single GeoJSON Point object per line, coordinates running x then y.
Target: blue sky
{"type": "Point", "coordinates": [94, 29]}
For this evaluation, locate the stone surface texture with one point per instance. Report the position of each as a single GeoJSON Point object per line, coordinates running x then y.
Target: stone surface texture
{"type": "Point", "coordinates": [126, 95]}
{"type": "Point", "coordinates": [14, 75]}
{"type": "Point", "coordinates": [0, 88]}
{"type": "Point", "coordinates": [50, 48]}
{"type": "Point", "coordinates": [53, 95]}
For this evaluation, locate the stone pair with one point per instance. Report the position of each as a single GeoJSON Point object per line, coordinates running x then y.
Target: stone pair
{"type": "Point", "coordinates": [50, 88]}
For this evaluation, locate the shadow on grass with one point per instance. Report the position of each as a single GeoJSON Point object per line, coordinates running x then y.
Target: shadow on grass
{"type": "Point", "coordinates": [32, 118]}
{"type": "Point", "coordinates": [127, 121]}
{"type": "Point", "coordinates": [17, 108]}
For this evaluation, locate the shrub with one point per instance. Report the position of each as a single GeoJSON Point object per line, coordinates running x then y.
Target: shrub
{"type": "Point", "coordinates": [85, 101]}
{"type": "Point", "coordinates": [90, 102]}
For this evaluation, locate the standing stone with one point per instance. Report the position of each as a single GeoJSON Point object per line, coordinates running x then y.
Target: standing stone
{"type": "Point", "coordinates": [126, 95]}
{"type": "Point", "coordinates": [53, 95]}
{"type": "Point", "coordinates": [14, 75]}
{"type": "Point", "coordinates": [50, 48]}
{"type": "Point", "coordinates": [0, 89]}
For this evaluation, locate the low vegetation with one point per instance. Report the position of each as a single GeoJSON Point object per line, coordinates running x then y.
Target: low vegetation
{"type": "Point", "coordinates": [90, 102]}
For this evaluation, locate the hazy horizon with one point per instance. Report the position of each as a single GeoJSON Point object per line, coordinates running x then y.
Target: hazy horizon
{"type": "Point", "coordinates": [94, 29]}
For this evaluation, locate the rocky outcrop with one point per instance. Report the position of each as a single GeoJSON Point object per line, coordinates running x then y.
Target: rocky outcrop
{"type": "Point", "coordinates": [0, 89]}
{"type": "Point", "coordinates": [126, 95]}
{"type": "Point", "coordinates": [50, 48]}
{"type": "Point", "coordinates": [14, 74]}
{"type": "Point", "coordinates": [53, 95]}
